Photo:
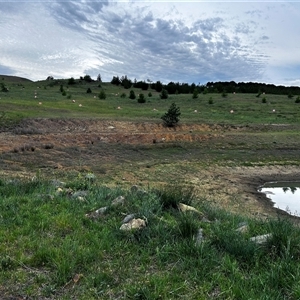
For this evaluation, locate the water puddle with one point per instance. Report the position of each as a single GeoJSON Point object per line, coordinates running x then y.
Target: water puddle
{"type": "Point", "coordinates": [284, 195]}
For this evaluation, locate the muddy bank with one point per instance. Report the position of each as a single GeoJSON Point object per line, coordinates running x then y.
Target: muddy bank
{"type": "Point", "coordinates": [210, 157]}
{"type": "Point", "coordinates": [250, 179]}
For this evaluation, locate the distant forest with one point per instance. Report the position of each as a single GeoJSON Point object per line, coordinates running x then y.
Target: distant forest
{"type": "Point", "coordinates": [209, 87]}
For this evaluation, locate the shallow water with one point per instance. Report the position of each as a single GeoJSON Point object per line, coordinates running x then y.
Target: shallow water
{"type": "Point", "coordinates": [284, 195]}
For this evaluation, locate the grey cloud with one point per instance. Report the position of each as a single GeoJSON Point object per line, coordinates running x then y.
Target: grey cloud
{"type": "Point", "coordinates": [254, 13]}
{"type": "Point", "coordinates": [73, 13]}
{"type": "Point", "coordinates": [6, 70]}
{"type": "Point", "coordinates": [209, 25]}
{"type": "Point", "coordinates": [11, 7]}
{"type": "Point", "coordinates": [170, 47]}
{"type": "Point", "coordinates": [243, 28]}
{"type": "Point", "coordinates": [138, 44]}
{"type": "Point", "coordinates": [265, 38]}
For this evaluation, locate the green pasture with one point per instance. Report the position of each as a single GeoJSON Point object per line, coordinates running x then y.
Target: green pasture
{"type": "Point", "coordinates": [41, 99]}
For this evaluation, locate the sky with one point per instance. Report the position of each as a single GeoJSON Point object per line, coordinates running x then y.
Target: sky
{"type": "Point", "coordinates": [179, 41]}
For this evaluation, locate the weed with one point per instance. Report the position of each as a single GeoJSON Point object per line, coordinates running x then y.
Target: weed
{"type": "Point", "coordinates": [171, 196]}
{"type": "Point", "coordinates": [187, 226]}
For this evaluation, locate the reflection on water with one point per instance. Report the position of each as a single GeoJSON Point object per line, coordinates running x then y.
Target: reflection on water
{"type": "Point", "coordinates": [284, 195]}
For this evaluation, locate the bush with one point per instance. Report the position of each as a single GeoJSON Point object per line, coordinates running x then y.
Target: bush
{"type": "Point", "coordinates": [132, 94]}
{"type": "Point", "coordinates": [123, 95]}
{"type": "Point", "coordinates": [71, 81]}
{"type": "Point", "coordinates": [195, 94]}
{"type": "Point", "coordinates": [87, 78]}
{"type": "Point", "coordinates": [297, 100]}
{"type": "Point", "coordinates": [102, 95]}
{"type": "Point", "coordinates": [88, 90]}
{"type": "Point", "coordinates": [264, 100]}
{"type": "Point", "coordinates": [4, 88]}
{"type": "Point", "coordinates": [171, 117]}
{"type": "Point", "coordinates": [141, 98]}
{"type": "Point", "coordinates": [164, 94]}
{"type": "Point", "coordinates": [210, 101]}
{"type": "Point", "coordinates": [149, 94]}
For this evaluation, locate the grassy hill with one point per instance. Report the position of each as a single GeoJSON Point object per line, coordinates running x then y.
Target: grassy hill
{"type": "Point", "coordinates": [57, 98]}
{"type": "Point", "coordinates": [63, 204]}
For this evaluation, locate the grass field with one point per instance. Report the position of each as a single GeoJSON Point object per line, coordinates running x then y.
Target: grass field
{"type": "Point", "coordinates": [22, 101]}
{"type": "Point", "coordinates": [54, 244]}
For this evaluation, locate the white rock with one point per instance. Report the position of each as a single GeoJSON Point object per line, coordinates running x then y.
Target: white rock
{"type": "Point", "coordinates": [133, 224]}
{"type": "Point", "coordinates": [261, 239]}
{"type": "Point", "coordinates": [183, 207]}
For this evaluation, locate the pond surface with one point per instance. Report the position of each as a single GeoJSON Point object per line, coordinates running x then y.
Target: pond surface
{"type": "Point", "coordinates": [284, 195]}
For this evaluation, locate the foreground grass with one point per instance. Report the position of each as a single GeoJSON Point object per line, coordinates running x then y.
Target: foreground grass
{"type": "Point", "coordinates": [50, 248]}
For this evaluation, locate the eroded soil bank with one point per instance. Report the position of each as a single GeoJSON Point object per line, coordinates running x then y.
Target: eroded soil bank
{"type": "Point", "coordinates": [225, 164]}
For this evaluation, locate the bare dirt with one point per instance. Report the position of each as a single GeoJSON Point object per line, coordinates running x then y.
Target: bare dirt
{"type": "Point", "coordinates": [127, 153]}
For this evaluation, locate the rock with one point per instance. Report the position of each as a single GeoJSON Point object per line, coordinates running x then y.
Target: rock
{"type": "Point", "coordinates": [118, 201]}
{"type": "Point", "coordinates": [59, 191]}
{"type": "Point", "coordinates": [80, 194]}
{"type": "Point", "coordinates": [261, 239]}
{"type": "Point", "coordinates": [82, 199]}
{"type": "Point", "coordinates": [57, 183]}
{"type": "Point", "coordinates": [184, 208]}
{"type": "Point", "coordinates": [199, 237]}
{"type": "Point", "coordinates": [128, 218]}
{"type": "Point", "coordinates": [133, 224]}
{"type": "Point", "coordinates": [134, 188]}
{"type": "Point", "coordinates": [97, 213]}
{"type": "Point", "coordinates": [242, 227]}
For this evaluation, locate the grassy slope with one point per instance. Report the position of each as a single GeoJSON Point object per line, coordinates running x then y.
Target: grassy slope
{"type": "Point", "coordinates": [20, 102]}
{"type": "Point", "coordinates": [50, 249]}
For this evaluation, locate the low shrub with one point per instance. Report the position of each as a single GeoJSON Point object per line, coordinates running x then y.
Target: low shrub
{"type": "Point", "coordinates": [141, 98]}
{"type": "Point", "coordinates": [132, 94]}
{"type": "Point", "coordinates": [102, 95]}
{"type": "Point", "coordinates": [164, 94]}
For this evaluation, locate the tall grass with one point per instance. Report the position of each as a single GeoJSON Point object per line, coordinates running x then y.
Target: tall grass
{"type": "Point", "coordinates": [51, 249]}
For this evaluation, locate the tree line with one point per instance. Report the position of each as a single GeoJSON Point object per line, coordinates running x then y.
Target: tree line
{"type": "Point", "coordinates": [209, 87]}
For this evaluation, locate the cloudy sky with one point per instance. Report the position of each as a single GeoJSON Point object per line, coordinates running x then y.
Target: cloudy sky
{"type": "Point", "coordinates": [180, 41]}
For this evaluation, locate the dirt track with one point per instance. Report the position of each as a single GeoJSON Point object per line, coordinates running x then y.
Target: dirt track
{"type": "Point", "coordinates": [145, 153]}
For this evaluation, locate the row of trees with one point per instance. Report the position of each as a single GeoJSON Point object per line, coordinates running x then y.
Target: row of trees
{"type": "Point", "coordinates": [185, 88]}
{"type": "Point", "coordinates": [209, 87]}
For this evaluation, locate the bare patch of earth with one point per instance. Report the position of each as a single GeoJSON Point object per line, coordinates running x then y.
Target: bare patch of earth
{"type": "Point", "coordinates": [143, 153]}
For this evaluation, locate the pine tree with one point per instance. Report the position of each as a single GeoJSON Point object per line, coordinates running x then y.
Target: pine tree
{"type": "Point", "coordinates": [171, 117]}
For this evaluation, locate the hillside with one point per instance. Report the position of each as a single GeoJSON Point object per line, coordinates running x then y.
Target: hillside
{"type": "Point", "coordinates": [77, 170]}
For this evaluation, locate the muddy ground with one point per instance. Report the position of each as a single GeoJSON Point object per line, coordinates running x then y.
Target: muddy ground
{"type": "Point", "coordinates": [222, 162]}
